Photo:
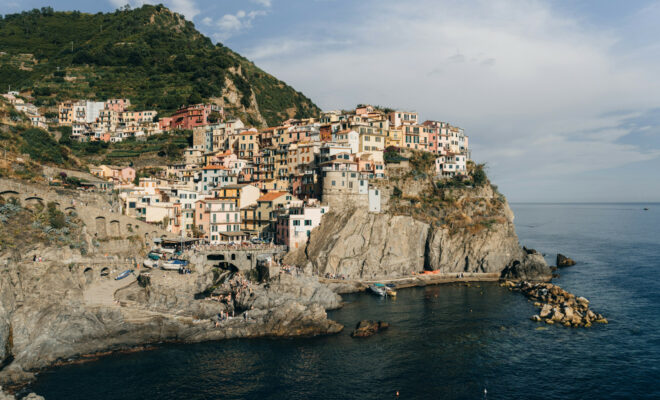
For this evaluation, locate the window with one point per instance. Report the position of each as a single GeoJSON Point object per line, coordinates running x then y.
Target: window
{"type": "Point", "coordinates": [308, 222]}
{"type": "Point", "coordinates": [296, 222]}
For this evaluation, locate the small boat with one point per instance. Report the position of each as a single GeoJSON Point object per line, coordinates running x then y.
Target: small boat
{"type": "Point", "coordinates": [124, 274]}
{"type": "Point", "coordinates": [377, 290]}
{"type": "Point", "coordinates": [154, 256]}
{"type": "Point", "coordinates": [150, 263]}
{"type": "Point", "coordinates": [169, 266]}
{"type": "Point", "coordinates": [390, 291]}
{"type": "Point", "coordinates": [646, 209]}
{"type": "Point", "coordinates": [178, 261]}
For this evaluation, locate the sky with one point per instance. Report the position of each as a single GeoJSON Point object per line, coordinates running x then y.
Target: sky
{"type": "Point", "coordinates": [560, 99]}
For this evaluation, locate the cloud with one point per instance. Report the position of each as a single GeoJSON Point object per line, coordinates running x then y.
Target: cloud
{"type": "Point", "coordinates": [263, 3]}
{"type": "Point", "coordinates": [231, 24]}
{"type": "Point", "coordinates": [530, 85]}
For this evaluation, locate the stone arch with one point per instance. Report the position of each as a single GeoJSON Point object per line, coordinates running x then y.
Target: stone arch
{"type": "Point", "coordinates": [100, 227]}
{"type": "Point", "coordinates": [34, 201]}
{"type": "Point", "coordinates": [105, 271]}
{"type": "Point", "coordinates": [89, 274]}
{"type": "Point", "coordinates": [10, 194]}
{"type": "Point", "coordinates": [228, 266]}
{"type": "Point", "coordinates": [115, 229]}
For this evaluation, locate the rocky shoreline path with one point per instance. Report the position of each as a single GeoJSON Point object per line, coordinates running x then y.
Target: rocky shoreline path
{"type": "Point", "coordinates": [345, 286]}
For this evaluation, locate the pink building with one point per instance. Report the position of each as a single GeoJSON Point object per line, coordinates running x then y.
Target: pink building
{"type": "Point", "coordinates": [293, 229]}
{"type": "Point", "coordinates": [189, 117]}
{"type": "Point", "coordinates": [217, 219]}
{"type": "Point", "coordinates": [127, 174]}
{"type": "Point", "coordinates": [117, 105]}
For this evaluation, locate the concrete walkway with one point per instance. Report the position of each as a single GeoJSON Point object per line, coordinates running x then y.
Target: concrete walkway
{"type": "Point", "coordinates": [421, 280]}
{"type": "Point", "coordinates": [102, 292]}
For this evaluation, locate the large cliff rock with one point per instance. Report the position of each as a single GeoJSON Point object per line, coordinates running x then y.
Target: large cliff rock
{"type": "Point", "coordinates": [473, 232]}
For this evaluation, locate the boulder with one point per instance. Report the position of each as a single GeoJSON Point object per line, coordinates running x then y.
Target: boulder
{"type": "Point", "coordinates": [536, 318]}
{"type": "Point", "coordinates": [366, 328]}
{"type": "Point", "coordinates": [545, 311]}
{"type": "Point", "coordinates": [532, 267]}
{"type": "Point", "coordinates": [557, 315]}
{"type": "Point", "coordinates": [563, 261]}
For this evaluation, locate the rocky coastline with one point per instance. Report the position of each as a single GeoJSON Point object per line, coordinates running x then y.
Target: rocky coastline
{"type": "Point", "coordinates": [557, 306]}
{"type": "Point", "coordinates": [67, 309]}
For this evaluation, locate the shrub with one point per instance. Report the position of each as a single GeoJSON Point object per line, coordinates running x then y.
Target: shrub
{"type": "Point", "coordinates": [56, 218]}
{"type": "Point", "coordinates": [479, 175]}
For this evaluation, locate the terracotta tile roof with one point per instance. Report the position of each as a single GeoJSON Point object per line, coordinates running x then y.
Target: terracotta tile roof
{"type": "Point", "coordinates": [270, 196]}
{"type": "Point", "coordinates": [209, 167]}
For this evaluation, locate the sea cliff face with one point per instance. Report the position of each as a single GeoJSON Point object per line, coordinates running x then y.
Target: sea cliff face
{"type": "Point", "coordinates": [471, 233]}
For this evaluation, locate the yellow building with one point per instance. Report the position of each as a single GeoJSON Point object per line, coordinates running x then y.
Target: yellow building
{"type": "Point", "coordinates": [394, 137]}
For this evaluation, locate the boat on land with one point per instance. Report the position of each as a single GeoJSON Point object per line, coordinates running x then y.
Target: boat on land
{"type": "Point", "coordinates": [154, 256]}
{"type": "Point", "coordinates": [178, 261]}
{"type": "Point", "coordinates": [150, 263]}
{"type": "Point", "coordinates": [170, 266]}
{"type": "Point", "coordinates": [124, 274]}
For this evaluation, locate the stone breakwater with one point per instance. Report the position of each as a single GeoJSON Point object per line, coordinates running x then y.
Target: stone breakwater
{"type": "Point", "coordinates": [557, 306]}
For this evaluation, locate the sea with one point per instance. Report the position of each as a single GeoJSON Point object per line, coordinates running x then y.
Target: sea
{"type": "Point", "coordinates": [445, 342]}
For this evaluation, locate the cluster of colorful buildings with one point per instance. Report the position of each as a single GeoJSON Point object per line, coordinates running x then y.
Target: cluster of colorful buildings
{"type": "Point", "coordinates": [29, 109]}
{"type": "Point", "coordinates": [236, 183]}
{"type": "Point", "coordinates": [114, 120]}
{"type": "Point", "coordinates": [108, 121]}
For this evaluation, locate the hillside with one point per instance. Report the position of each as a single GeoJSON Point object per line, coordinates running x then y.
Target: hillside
{"type": "Point", "coordinates": [151, 55]}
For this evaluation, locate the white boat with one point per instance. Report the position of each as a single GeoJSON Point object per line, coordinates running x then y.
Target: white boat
{"type": "Point", "coordinates": [168, 266]}
{"type": "Point", "coordinates": [150, 263]}
{"type": "Point", "coordinates": [380, 291]}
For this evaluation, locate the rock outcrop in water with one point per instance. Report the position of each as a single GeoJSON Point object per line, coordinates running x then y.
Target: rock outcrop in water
{"type": "Point", "coordinates": [557, 305]}
{"type": "Point", "coordinates": [31, 396]}
{"type": "Point", "coordinates": [366, 328]}
{"type": "Point", "coordinates": [563, 261]}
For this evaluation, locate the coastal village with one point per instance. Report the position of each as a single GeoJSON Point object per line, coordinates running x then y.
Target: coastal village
{"type": "Point", "coordinates": [240, 184]}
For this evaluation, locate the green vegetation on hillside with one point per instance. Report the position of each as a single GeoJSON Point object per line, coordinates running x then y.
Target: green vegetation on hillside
{"type": "Point", "coordinates": [23, 225]}
{"type": "Point", "coordinates": [167, 147]}
{"type": "Point", "coordinates": [150, 55]}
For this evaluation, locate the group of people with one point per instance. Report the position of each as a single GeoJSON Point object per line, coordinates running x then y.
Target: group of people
{"type": "Point", "coordinates": [291, 269]}
{"type": "Point", "coordinates": [184, 270]}
{"type": "Point", "coordinates": [328, 275]}
{"type": "Point", "coordinates": [36, 258]}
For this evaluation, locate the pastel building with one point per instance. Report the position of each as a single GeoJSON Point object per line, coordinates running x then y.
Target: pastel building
{"type": "Point", "coordinates": [217, 219]}
{"type": "Point", "coordinates": [294, 228]}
